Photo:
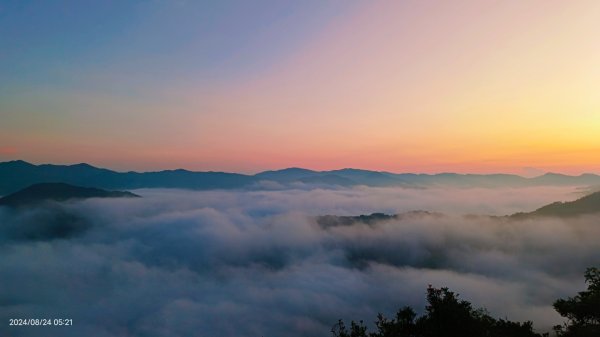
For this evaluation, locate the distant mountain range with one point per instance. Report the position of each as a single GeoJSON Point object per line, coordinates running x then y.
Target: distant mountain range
{"type": "Point", "coordinates": [16, 175]}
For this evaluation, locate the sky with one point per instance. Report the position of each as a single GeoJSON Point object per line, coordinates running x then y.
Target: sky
{"type": "Point", "coordinates": [245, 86]}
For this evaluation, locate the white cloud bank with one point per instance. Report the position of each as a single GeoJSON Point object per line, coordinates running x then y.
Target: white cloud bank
{"type": "Point", "coordinates": [255, 263]}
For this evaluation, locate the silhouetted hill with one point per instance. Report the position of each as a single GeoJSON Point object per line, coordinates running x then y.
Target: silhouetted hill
{"type": "Point", "coordinates": [557, 179]}
{"type": "Point", "coordinates": [586, 205]}
{"type": "Point", "coordinates": [286, 175]}
{"type": "Point", "coordinates": [371, 178]}
{"type": "Point", "coordinates": [589, 204]}
{"type": "Point", "coordinates": [16, 175]}
{"type": "Point", "coordinates": [354, 177]}
{"type": "Point", "coordinates": [38, 193]}
{"type": "Point", "coordinates": [326, 221]}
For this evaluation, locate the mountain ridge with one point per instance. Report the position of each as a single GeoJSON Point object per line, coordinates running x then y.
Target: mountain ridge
{"type": "Point", "coordinates": [18, 174]}
{"type": "Point", "coordinates": [589, 204]}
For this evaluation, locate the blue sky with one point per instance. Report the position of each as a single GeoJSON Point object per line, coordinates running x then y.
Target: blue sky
{"type": "Point", "coordinates": [68, 43]}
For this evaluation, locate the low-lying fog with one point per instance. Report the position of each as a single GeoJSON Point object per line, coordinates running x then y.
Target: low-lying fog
{"type": "Point", "coordinates": [256, 263]}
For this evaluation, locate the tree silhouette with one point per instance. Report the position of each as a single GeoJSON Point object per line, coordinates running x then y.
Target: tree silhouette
{"type": "Point", "coordinates": [446, 316]}
{"type": "Point", "coordinates": [356, 329]}
{"type": "Point", "coordinates": [403, 325]}
{"type": "Point", "coordinates": [583, 310]}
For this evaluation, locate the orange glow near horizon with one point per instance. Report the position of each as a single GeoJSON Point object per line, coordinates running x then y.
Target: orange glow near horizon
{"type": "Point", "coordinates": [402, 86]}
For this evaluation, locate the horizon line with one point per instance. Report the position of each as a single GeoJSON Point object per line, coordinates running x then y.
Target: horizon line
{"type": "Point", "coordinates": [302, 168]}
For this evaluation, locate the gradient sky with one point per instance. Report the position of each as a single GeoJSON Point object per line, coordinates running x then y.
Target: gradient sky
{"type": "Point", "coordinates": [421, 86]}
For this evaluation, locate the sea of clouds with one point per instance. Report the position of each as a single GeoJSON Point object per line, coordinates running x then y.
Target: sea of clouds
{"type": "Point", "coordinates": [256, 262]}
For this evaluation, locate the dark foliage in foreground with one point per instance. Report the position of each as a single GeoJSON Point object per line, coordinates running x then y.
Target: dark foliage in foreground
{"type": "Point", "coordinates": [448, 316]}
{"type": "Point", "coordinates": [583, 310]}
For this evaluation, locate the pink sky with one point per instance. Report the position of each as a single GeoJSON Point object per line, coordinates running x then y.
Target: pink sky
{"type": "Point", "coordinates": [420, 86]}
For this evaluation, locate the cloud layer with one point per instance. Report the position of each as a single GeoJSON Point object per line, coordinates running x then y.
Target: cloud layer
{"type": "Point", "coordinates": [256, 263]}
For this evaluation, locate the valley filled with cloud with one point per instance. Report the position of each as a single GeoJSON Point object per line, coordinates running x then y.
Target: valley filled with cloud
{"type": "Point", "coordinates": [259, 263]}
